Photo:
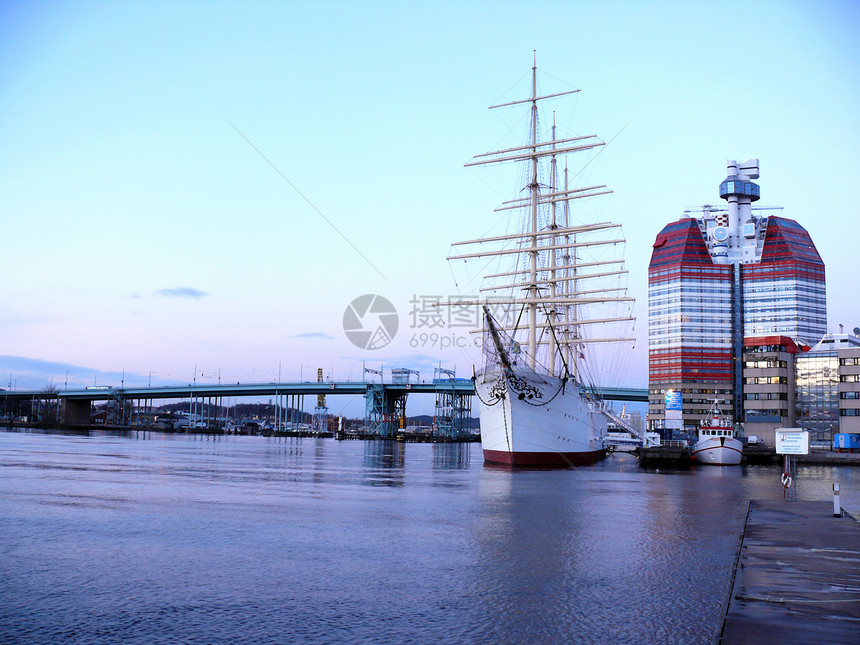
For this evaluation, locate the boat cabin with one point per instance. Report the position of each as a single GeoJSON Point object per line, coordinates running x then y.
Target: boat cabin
{"type": "Point", "coordinates": [716, 432]}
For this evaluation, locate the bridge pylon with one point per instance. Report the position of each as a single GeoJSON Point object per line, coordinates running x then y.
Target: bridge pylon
{"type": "Point", "coordinates": [384, 411]}
{"type": "Point", "coordinates": [321, 411]}
{"type": "Point", "coordinates": [453, 408]}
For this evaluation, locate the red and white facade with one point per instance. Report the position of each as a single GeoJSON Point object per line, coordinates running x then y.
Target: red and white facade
{"type": "Point", "coordinates": [717, 278]}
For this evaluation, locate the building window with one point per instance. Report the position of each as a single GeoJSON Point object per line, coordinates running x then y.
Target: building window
{"type": "Point", "coordinates": [763, 364]}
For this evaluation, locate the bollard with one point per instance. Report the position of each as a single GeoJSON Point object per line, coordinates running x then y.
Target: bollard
{"type": "Point", "coordinates": [837, 510]}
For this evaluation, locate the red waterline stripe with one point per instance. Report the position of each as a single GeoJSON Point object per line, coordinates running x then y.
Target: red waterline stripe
{"type": "Point", "coordinates": [543, 459]}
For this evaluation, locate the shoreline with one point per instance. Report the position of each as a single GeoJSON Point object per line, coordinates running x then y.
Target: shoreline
{"type": "Point", "coordinates": [756, 456]}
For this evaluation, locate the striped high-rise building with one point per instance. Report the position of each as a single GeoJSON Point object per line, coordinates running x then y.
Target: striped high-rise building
{"type": "Point", "coordinates": [717, 277]}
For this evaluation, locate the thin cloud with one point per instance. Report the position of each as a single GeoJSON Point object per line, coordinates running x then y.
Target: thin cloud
{"type": "Point", "coordinates": [314, 334]}
{"type": "Point", "coordinates": [181, 292]}
{"type": "Point", "coordinates": [28, 365]}
{"type": "Point", "coordinates": [25, 373]}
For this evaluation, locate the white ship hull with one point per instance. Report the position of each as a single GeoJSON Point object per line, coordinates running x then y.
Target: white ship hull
{"type": "Point", "coordinates": [718, 451]}
{"type": "Point", "coordinates": [526, 422]}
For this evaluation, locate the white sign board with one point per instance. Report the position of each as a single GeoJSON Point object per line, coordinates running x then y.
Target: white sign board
{"type": "Point", "coordinates": [791, 441]}
{"type": "Point", "coordinates": [672, 424]}
{"type": "Point", "coordinates": [674, 415]}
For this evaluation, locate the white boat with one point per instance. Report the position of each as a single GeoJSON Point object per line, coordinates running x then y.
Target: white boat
{"type": "Point", "coordinates": [716, 443]}
{"type": "Point", "coordinates": [536, 404]}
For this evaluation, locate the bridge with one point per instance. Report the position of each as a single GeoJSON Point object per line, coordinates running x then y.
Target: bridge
{"type": "Point", "coordinates": [385, 402]}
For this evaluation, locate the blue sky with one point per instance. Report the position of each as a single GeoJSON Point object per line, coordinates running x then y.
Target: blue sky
{"type": "Point", "coordinates": [210, 184]}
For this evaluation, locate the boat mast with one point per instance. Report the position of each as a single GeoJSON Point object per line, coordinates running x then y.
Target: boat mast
{"type": "Point", "coordinates": [533, 253]}
{"type": "Point", "coordinates": [552, 257]}
{"type": "Point", "coordinates": [565, 260]}
{"type": "Point", "coordinates": [572, 289]}
{"type": "Point", "coordinates": [553, 284]}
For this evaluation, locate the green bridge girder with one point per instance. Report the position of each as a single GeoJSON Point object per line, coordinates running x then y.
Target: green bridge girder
{"type": "Point", "coordinates": [385, 402]}
{"type": "Point", "coordinates": [460, 386]}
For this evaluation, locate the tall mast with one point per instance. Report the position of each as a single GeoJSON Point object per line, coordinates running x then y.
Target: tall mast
{"type": "Point", "coordinates": [533, 253]}
{"type": "Point", "coordinates": [571, 286]}
{"type": "Point", "coordinates": [552, 257]}
{"type": "Point", "coordinates": [558, 282]}
{"type": "Point", "coordinates": [567, 290]}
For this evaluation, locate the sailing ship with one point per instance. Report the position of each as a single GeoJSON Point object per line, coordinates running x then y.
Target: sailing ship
{"type": "Point", "coordinates": [536, 404]}
{"type": "Point", "coordinates": [716, 443]}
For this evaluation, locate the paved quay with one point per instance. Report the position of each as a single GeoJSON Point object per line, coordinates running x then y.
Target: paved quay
{"type": "Point", "coordinates": [820, 456]}
{"type": "Point", "coordinates": [826, 456]}
{"type": "Point", "coordinates": [797, 577]}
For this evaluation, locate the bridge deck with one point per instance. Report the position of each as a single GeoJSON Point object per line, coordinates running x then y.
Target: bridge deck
{"type": "Point", "coordinates": [458, 386]}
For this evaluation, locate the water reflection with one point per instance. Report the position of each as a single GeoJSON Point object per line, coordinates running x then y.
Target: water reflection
{"type": "Point", "coordinates": [646, 557]}
{"type": "Point", "coordinates": [384, 461]}
{"type": "Point", "coordinates": [199, 436]}
{"type": "Point", "coordinates": [319, 463]}
{"type": "Point", "coordinates": [451, 456]}
{"type": "Point", "coordinates": [371, 546]}
{"type": "Point", "coordinates": [532, 566]}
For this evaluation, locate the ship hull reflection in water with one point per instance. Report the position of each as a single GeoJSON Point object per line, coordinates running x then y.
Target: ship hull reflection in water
{"type": "Point", "coordinates": [151, 537]}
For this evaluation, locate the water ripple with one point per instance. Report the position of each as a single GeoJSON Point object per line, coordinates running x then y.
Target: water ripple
{"type": "Point", "coordinates": [166, 539]}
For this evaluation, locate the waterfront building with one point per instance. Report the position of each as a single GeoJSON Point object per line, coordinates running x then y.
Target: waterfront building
{"type": "Point", "coordinates": [817, 382]}
{"type": "Point", "coordinates": [820, 373]}
{"type": "Point", "coordinates": [769, 384]}
{"type": "Point", "coordinates": [716, 277]}
{"type": "Point", "coordinates": [788, 384]}
{"type": "Point", "coordinates": [849, 387]}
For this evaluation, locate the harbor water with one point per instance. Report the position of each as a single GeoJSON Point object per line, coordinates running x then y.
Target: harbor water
{"type": "Point", "coordinates": [156, 538]}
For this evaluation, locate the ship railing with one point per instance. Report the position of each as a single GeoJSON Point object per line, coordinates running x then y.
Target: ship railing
{"type": "Point", "coordinates": [675, 443]}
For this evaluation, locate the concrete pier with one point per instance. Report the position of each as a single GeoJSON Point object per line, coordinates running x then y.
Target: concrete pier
{"type": "Point", "coordinates": [797, 578]}
{"type": "Point", "coordinates": [669, 454]}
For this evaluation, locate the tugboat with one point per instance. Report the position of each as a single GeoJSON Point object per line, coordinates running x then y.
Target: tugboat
{"type": "Point", "coordinates": [717, 444]}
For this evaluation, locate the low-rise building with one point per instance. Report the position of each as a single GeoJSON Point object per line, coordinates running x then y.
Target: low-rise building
{"type": "Point", "coordinates": [787, 384]}
{"type": "Point", "coordinates": [769, 384]}
{"type": "Point", "coordinates": [849, 389]}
